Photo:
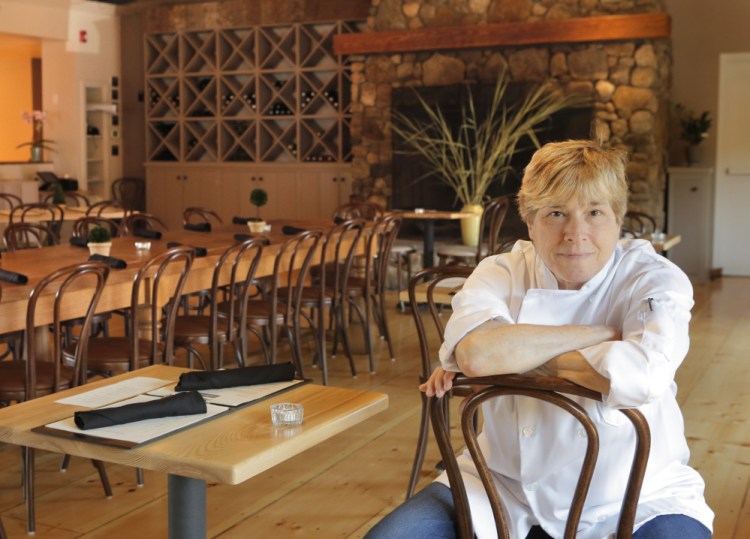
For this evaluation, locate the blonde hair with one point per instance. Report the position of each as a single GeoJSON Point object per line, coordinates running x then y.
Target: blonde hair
{"type": "Point", "coordinates": [561, 171]}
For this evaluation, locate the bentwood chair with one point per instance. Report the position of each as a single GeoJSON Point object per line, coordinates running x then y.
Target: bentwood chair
{"type": "Point", "coordinates": [279, 307]}
{"type": "Point", "coordinates": [329, 288]}
{"type": "Point", "coordinates": [130, 193]}
{"type": "Point", "coordinates": [240, 261]}
{"type": "Point", "coordinates": [136, 223]}
{"type": "Point", "coordinates": [50, 214]}
{"type": "Point", "coordinates": [636, 224]}
{"type": "Point", "coordinates": [82, 226]}
{"type": "Point", "coordinates": [558, 392]}
{"type": "Point", "coordinates": [198, 215]}
{"type": "Point", "coordinates": [18, 236]}
{"type": "Point", "coordinates": [200, 219]}
{"type": "Point", "coordinates": [431, 287]}
{"type": "Point", "coordinates": [8, 201]}
{"type": "Point", "coordinates": [44, 373]}
{"type": "Point", "coordinates": [101, 208]}
{"type": "Point", "coordinates": [490, 224]}
{"type": "Point", "coordinates": [371, 287]}
{"type": "Point", "coordinates": [72, 199]}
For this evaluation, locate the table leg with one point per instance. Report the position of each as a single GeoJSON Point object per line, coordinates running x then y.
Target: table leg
{"type": "Point", "coordinates": [429, 242]}
{"type": "Point", "coordinates": [187, 507]}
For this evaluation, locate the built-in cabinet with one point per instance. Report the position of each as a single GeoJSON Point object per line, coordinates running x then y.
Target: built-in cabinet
{"type": "Point", "coordinates": [243, 108]}
{"type": "Point", "coordinates": [690, 214]}
{"type": "Point", "coordinates": [98, 114]}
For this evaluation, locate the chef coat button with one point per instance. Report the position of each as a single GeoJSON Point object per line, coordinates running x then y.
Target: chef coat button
{"type": "Point", "coordinates": [528, 431]}
{"type": "Point", "coordinates": [581, 433]}
{"type": "Point", "coordinates": [532, 487]}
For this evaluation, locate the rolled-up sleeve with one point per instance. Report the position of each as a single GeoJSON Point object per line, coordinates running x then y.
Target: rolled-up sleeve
{"type": "Point", "coordinates": [655, 340]}
{"type": "Point", "coordinates": [484, 296]}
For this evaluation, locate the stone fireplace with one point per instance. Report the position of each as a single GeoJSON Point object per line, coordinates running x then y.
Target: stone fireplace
{"type": "Point", "coordinates": [626, 74]}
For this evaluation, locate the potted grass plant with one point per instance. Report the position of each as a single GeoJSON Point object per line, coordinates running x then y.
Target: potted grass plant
{"type": "Point", "coordinates": [477, 153]}
{"type": "Point", "coordinates": [99, 241]}
{"type": "Point", "coordinates": [258, 198]}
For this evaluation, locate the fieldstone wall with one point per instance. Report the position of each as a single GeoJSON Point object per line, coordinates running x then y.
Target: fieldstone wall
{"type": "Point", "coordinates": [628, 82]}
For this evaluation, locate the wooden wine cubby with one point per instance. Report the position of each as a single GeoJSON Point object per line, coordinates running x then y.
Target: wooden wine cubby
{"type": "Point", "coordinates": [265, 94]}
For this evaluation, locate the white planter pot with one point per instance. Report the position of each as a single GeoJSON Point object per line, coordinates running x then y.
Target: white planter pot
{"type": "Point", "coordinates": [100, 248]}
{"type": "Point", "coordinates": [256, 227]}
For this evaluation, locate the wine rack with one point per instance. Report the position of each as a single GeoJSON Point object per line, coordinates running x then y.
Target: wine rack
{"type": "Point", "coordinates": [265, 94]}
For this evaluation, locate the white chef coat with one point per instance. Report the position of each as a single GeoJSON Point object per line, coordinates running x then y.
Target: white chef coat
{"type": "Point", "coordinates": [534, 449]}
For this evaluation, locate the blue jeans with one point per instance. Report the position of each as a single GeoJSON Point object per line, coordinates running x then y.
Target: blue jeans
{"type": "Point", "coordinates": [431, 514]}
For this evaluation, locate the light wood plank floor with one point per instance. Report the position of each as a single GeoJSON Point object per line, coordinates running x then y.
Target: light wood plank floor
{"type": "Point", "coordinates": [342, 487]}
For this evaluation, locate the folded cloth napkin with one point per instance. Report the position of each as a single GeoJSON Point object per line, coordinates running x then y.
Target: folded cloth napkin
{"type": "Point", "coordinates": [199, 251]}
{"type": "Point", "coordinates": [241, 220]}
{"type": "Point", "coordinates": [13, 277]}
{"type": "Point", "coordinates": [114, 263]}
{"type": "Point", "coordinates": [245, 237]}
{"type": "Point", "coordinates": [243, 376]}
{"type": "Point", "coordinates": [147, 233]}
{"type": "Point", "coordinates": [188, 403]}
{"type": "Point", "coordinates": [292, 230]}
{"type": "Point", "coordinates": [198, 227]}
{"type": "Point", "coordinates": [78, 242]}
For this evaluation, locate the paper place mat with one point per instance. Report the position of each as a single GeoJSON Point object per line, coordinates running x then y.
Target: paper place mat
{"type": "Point", "coordinates": [235, 396]}
{"type": "Point", "coordinates": [96, 398]}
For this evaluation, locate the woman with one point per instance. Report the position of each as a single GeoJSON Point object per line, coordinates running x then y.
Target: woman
{"type": "Point", "coordinates": [576, 303]}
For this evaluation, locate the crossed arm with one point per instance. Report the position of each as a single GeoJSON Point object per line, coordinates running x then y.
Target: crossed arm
{"type": "Point", "coordinates": [498, 348]}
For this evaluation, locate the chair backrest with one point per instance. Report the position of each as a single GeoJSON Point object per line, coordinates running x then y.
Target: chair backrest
{"type": "Point", "coordinates": [72, 199]}
{"type": "Point", "coordinates": [380, 242]}
{"type": "Point", "coordinates": [357, 210]}
{"type": "Point", "coordinates": [49, 296]}
{"type": "Point", "coordinates": [100, 209]}
{"type": "Point", "coordinates": [18, 236]}
{"type": "Point", "coordinates": [51, 214]}
{"type": "Point", "coordinates": [343, 239]}
{"type": "Point", "coordinates": [141, 221]}
{"type": "Point", "coordinates": [130, 193]}
{"type": "Point", "coordinates": [82, 226]}
{"type": "Point", "coordinates": [554, 391]}
{"type": "Point", "coordinates": [636, 224]}
{"type": "Point", "coordinates": [161, 279]}
{"type": "Point", "coordinates": [200, 215]}
{"type": "Point", "coordinates": [291, 267]}
{"type": "Point", "coordinates": [490, 225]}
{"type": "Point", "coordinates": [243, 259]}
{"type": "Point", "coordinates": [433, 286]}
{"type": "Point", "coordinates": [9, 201]}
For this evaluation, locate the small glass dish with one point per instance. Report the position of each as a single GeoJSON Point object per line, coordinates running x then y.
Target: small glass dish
{"type": "Point", "coordinates": [287, 414]}
{"type": "Point", "coordinates": [143, 245]}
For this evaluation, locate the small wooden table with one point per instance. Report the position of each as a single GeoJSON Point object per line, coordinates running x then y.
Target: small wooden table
{"type": "Point", "coordinates": [429, 217]}
{"type": "Point", "coordinates": [229, 449]}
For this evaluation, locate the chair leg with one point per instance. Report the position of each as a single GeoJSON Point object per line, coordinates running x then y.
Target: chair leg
{"type": "Point", "coordinates": [28, 488]}
{"type": "Point", "coordinates": [3, 535]}
{"type": "Point", "coordinates": [339, 327]}
{"type": "Point", "coordinates": [379, 306]}
{"type": "Point", "coordinates": [424, 424]}
{"type": "Point", "coordinates": [139, 480]}
{"type": "Point", "coordinates": [65, 463]}
{"type": "Point", "coordinates": [99, 465]}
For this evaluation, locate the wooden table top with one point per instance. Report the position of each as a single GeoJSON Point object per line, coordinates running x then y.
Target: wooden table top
{"type": "Point", "coordinates": [38, 263]}
{"type": "Point", "coordinates": [70, 213]}
{"type": "Point", "coordinates": [229, 449]}
{"type": "Point", "coordinates": [435, 214]}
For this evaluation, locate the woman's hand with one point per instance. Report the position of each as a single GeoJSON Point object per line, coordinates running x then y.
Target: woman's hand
{"type": "Point", "coordinates": [440, 382]}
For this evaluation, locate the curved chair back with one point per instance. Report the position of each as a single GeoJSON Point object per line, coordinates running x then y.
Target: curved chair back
{"type": "Point", "coordinates": [141, 221]}
{"type": "Point", "coordinates": [357, 210]}
{"type": "Point", "coordinates": [636, 224]}
{"type": "Point", "coordinates": [18, 236]}
{"type": "Point", "coordinates": [197, 215]}
{"type": "Point", "coordinates": [490, 225]}
{"type": "Point", "coordinates": [130, 193]}
{"type": "Point", "coordinates": [433, 287]}
{"type": "Point", "coordinates": [9, 201]}
{"type": "Point", "coordinates": [161, 279]}
{"type": "Point", "coordinates": [71, 199]}
{"type": "Point", "coordinates": [557, 392]}
{"type": "Point", "coordinates": [51, 214]}
{"type": "Point", "coordinates": [82, 226]}
{"type": "Point", "coordinates": [381, 242]}
{"type": "Point", "coordinates": [102, 208]}
{"type": "Point", "coordinates": [61, 281]}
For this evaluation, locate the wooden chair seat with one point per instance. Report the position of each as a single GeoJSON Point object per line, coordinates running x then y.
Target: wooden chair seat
{"type": "Point", "coordinates": [310, 296]}
{"type": "Point", "coordinates": [194, 328]}
{"type": "Point", "coordinates": [111, 354]}
{"type": "Point", "coordinates": [13, 379]}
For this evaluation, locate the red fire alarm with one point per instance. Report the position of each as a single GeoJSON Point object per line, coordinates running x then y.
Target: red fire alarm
{"type": "Point", "coordinates": [82, 36]}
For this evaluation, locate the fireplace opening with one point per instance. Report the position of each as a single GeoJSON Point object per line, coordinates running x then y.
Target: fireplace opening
{"type": "Point", "coordinates": [409, 191]}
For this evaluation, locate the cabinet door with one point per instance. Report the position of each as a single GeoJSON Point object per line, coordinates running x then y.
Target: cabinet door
{"type": "Point", "coordinates": [164, 194]}
{"type": "Point", "coordinates": [322, 191]}
{"type": "Point", "coordinates": [690, 215]}
{"type": "Point", "coordinates": [201, 188]}
{"type": "Point", "coordinates": [237, 184]}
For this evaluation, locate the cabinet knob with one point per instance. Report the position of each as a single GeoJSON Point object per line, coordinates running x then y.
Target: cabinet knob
{"type": "Point", "coordinates": [693, 189]}
{"type": "Point", "coordinates": [342, 179]}
{"type": "Point", "coordinates": [335, 179]}
{"type": "Point", "coordinates": [260, 179]}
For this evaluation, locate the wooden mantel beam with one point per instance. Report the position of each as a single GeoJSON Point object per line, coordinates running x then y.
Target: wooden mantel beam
{"type": "Point", "coordinates": [578, 30]}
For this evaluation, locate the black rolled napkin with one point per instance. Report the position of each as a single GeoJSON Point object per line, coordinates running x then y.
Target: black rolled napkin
{"type": "Point", "coordinates": [243, 376]}
{"type": "Point", "coordinates": [338, 220]}
{"type": "Point", "coordinates": [292, 230]}
{"type": "Point", "coordinates": [245, 237]}
{"type": "Point", "coordinates": [13, 277]}
{"type": "Point", "coordinates": [189, 403]}
{"type": "Point", "coordinates": [198, 227]}
{"type": "Point", "coordinates": [199, 251]}
{"type": "Point", "coordinates": [78, 242]}
{"type": "Point", "coordinates": [147, 233]}
{"type": "Point", "coordinates": [241, 220]}
{"type": "Point", "coordinates": [114, 263]}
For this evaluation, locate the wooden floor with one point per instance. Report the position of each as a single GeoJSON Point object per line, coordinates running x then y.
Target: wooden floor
{"type": "Point", "coordinates": [342, 487]}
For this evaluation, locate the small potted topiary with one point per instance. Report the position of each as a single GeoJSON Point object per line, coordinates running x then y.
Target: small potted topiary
{"type": "Point", "coordinates": [258, 198]}
{"type": "Point", "coordinates": [58, 195]}
{"type": "Point", "coordinates": [99, 241]}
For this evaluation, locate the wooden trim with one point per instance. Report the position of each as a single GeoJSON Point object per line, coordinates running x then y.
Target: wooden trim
{"type": "Point", "coordinates": [578, 30]}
